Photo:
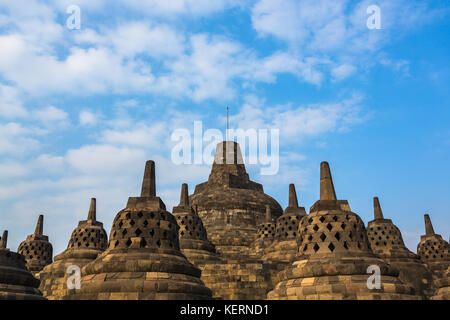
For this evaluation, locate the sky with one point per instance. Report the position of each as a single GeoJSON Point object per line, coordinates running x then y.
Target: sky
{"type": "Point", "coordinates": [82, 109]}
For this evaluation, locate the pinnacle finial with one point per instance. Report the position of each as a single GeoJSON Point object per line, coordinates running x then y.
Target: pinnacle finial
{"type": "Point", "coordinates": [4, 240]}
{"type": "Point", "coordinates": [184, 196]}
{"type": "Point", "coordinates": [268, 214]}
{"type": "Point", "coordinates": [93, 210]}
{"type": "Point", "coordinates": [293, 203]}
{"type": "Point", "coordinates": [378, 214]}
{"type": "Point", "coordinates": [326, 183]}
{"type": "Point", "coordinates": [149, 181]}
{"type": "Point", "coordinates": [40, 226]}
{"type": "Point", "coordinates": [429, 231]}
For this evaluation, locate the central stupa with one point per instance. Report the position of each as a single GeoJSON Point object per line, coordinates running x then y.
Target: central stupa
{"type": "Point", "coordinates": [230, 204]}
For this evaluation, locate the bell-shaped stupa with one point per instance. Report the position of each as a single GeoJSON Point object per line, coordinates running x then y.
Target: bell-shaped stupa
{"type": "Point", "coordinates": [335, 260]}
{"type": "Point", "coordinates": [230, 204]}
{"type": "Point", "coordinates": [193, 238]}
{"type": "Point", "coordinates": [88, 240]}
{"type": "Point", "coordinates": [285, 246]}
{"type": "Point", "coordinates": [36, 249]}
{"type": "Point", "coordinates": [143, 260]}
{"type": "Point", "coordinates": [265, 234]}
{"type": "Point", "coordinates": [433, 250]}
{"type": "Point", "coordinates": [16, 281]}
{"type": "Point", "coordinates": [387, 242]}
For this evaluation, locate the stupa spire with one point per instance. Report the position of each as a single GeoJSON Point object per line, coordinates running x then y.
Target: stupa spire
{"type": "Point", "coordinates": [184, 196]}
{"type": "Point", "coordinates": [40, 226]}
{"type": "Point", "coordinates": [326, 183]}
{"type": "Point", "coordinates": [293, 202]}
{"type": "Point", "coordinates": [149, 181]}
{"type": "Point", "coordinates": [93, 210]}
{"type": "Point", "coordinates": [268, 214]}
{"type": "Point", "coordinates": [378, 214]}
{"type": "Point", "coordinates": [4, 240]}
{"type": "Point", "coordinates": [429, 231]}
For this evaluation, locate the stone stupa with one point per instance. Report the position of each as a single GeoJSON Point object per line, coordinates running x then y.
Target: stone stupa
{"type": "Point", "coordinates": [433, 250]}
{"type": "Point", "coordinates": [88, 240]}
{"type": "Point", "coordinates": [387, 242]}
{"type": "Point", "coordinates": [231, 207]}
{"type": "Point", "coordinates": [285, 247]}
{"type": "Point", "coordinates": [193, 238]}
{"type": "Point", "coordinates": [334, 256]}
{"type": "Point", "coordinates": [143, 260]}
{"type": "Point", "coordinates": [36, 249]}
{"type": "Point", "coordinates": [230, 204]}
{"type": "Point", "coordinates": [265, 234]}
{"type": "Point", "coordinates": [16, 281]}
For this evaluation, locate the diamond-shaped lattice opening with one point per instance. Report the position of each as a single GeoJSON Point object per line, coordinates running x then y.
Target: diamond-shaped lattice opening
{"type": "Point", "coordinates": [128, 215]}
{"type": "Point", "coordinates": [331, 247]}
{"type": "Point", "coordinates": [322, 219]}
{"type": "Point", "coordinates": [138, 232]}
{"type": "Point", "coordinates": [120, 224]}
{"type": "Point", "coordinates": [145, 223]}
{"type": "Point", "coordinates": [143, 243]}
{"type": "Point", "coordinates": [310, 237]}
{"type": "Point", "coordinates": [124, 232]}
{"type": "Point", "coordinates": [343, 226]}
{"type": "Point", "coordinates": [323, 236]}
{"type": "Point", "coordinates": [158, 243]}
{"type": "Point", "coordinates": [315, 228]}
{"type": "Point", "coordinates": [337, 236]}
{"type": "Point", "coordinates": [305, 247]}
{"type": "Point", "coordinates": [152, 215]}
{"type": "Point", "coordinates": [316, 247]}
{"type": "Point", "coordinates": [335, 218]}
{"type": "Point", "coordinates": [329, 226]}
{"type": "Point", "coordinates": [128, 243]}
{"type": "Point", "coordinates": [132, 222]}
{"type": "Point", "coordinates": [140, 214]}
{"type": "Point", "coordinates": [350, 235]}
{"type": "Point", "coordinates": [345, 245]}
{"type": "Point", "coordinates": [152, 233]}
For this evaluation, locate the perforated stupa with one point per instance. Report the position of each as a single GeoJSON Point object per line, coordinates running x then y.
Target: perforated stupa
{"type": "Point", "coordinates": [88, 240]}
{"type": "Point", "coordinates": [334, 256]}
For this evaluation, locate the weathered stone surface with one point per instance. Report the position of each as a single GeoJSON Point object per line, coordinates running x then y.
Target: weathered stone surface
{"type": "Point", "coordinates": [231, 207]}
{"type": "Point", "coordinates": [88, 240]}
{"type": "Point", "coordinates": [387, 242]}
{"type": "Point", "coordinates": [230, 204]}
{"type": "Point", "coordinates": [36, 249]}
{"type": "Point", "coordinates": [265, 235]}
{"type": "Point", "coordinates": [143, 260]}
{"type": "Point", "coordinates": [443, 285]}
{"type": "Point", "coordinates": [433, 250]}
{"type": "Point", "coordinates": [334, 254]}
{"type": "Point", "coordinates": [285, 245]}
{"type": "Point", "coordinates": [16, 281]}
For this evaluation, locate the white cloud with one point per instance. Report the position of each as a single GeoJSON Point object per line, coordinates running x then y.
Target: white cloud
{"type": "Point", "coordinates": [15, 139]}
{"type": "Point", "coordinates": [297, 123]}
{"type": "Point", "coordinates": [342, 71]}
{"type": "Point", "coordinates": [87, 118]}
{"type": "Point", "coordinates": [51, 116]}
{"type": "Point", "coordinates": [10, 103]}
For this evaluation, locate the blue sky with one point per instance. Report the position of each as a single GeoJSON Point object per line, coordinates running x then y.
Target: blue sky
{"type": "Point", "coordinates": [81, 110]}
